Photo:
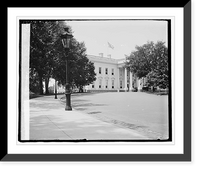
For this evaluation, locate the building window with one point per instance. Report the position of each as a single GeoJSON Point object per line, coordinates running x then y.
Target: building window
{"type": "Point", "coordinates": [112, 71]}
{"type": "Point", "coordinates": [93, 85]}
{"type": "Point", "coordinates": [106, 70]}
{"type": "Point", "coordinates": [100, 82]}
{"type": "Point", "coordinates": [120, 84]}
{"type": "Point", "coordinates": [99, 70]}
{"type": "Point", "coordinates": [113, 83]}
{"type": "Point", "coordinates": [106, 84]}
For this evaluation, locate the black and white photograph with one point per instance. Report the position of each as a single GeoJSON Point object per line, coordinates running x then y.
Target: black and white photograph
{"type": "Point", "coordinates": [98, 84]}
{"type": "Point", "coordinates": [96, 80]}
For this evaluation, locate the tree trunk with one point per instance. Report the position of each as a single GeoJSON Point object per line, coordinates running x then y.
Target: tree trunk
{"type": "Point", "coordinates": [80, 89]}
{"type": "Point", "coordinates": [46, 85]}
{"type": "Point", "coordinates": [40, 85]}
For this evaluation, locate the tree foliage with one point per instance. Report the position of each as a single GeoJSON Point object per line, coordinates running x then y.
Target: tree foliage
{"type": "Point", "coordinates": [44, 34]}
{"type": "Point", "coordinates": [81, 70]}
{"type": "Point", "coordinates": [151, 61]}
{"type": "Point", "coordinates": [48, 58]}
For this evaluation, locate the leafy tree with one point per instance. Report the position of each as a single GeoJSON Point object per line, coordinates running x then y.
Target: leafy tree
{"type": "Point", "coordinates": [48, 58]}
{"type": "Point", "coordinates": [81, 70]}
{"type": "Point", "coordinates": [43, 37]}
{"type": "Point", "coordinates": [34, 81]}
{"type": "Point", "coordinates": [151, 61]}
{"type": "Point", "coordinates": [139, 61]}
{"type": "Point", "coordinates": [160, 71]}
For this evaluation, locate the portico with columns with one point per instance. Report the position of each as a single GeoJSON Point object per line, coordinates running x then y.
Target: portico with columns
{"type": "Point", "coordinates": [127, 80]}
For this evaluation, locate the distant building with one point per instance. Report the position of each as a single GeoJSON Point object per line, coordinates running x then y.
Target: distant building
{"type": "Point", "coordinates": [112, 76]}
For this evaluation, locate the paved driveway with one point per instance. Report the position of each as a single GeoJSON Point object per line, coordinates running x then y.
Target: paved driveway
{"type": "Point", "coordinates": [50, 121]}
{"type": "Point", "coordinates": [146, 113]}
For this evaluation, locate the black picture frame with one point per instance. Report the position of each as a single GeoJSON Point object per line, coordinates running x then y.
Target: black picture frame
{"type": "Point", "coordinates": [186, 156]}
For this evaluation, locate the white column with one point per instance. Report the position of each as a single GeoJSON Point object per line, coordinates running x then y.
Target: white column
{"type": "Point", "coordinates": [131, 81]}
{"type": "Point", "coordinates": [25, 51]}
{"type": "Point", "coordinates": [118, 79]}
{"type": "Point", "coordinates": [125, 79]}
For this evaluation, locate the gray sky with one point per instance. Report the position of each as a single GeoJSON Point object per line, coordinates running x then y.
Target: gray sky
{"type": "Point", "coordinates": [124, 35]}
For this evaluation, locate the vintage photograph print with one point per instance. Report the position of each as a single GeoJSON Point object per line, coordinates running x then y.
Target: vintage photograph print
{"type": "Point", "coordinates": [95, 80]}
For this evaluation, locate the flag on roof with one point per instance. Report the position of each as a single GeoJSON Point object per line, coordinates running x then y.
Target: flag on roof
{"type": "Point", "coordinates": [110, 45]}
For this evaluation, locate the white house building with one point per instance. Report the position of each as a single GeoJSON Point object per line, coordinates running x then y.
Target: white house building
{"type": "Point", "coordinates": [112, 76]}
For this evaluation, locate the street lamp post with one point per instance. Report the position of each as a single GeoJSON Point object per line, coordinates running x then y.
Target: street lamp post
{"type": "Point", "coordinates": [55, 89]}
{"type": "Point", "coordinates": [66, 37]}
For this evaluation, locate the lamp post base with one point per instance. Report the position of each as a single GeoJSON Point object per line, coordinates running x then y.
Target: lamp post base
{"type": "Point", "coordinates": [68, 102]}
{"type": "Point", "coordinates": [68, 108]}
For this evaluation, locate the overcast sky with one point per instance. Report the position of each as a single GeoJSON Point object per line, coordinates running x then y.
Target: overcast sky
{"type": "Point", "coordinates": [124, 35]}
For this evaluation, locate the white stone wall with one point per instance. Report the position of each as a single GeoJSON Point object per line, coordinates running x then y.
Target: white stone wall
{"type": "Point", "coordinates": [103, 76]}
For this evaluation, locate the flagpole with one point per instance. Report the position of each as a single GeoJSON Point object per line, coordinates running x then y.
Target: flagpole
{"type": "Point", "coordinates": [109, 46]}
{"type": "Point", "coordinates": [108, 50]}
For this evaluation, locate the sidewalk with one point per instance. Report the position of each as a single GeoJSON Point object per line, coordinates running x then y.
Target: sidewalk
{"type": "Point", "coordinates": [50, 121]}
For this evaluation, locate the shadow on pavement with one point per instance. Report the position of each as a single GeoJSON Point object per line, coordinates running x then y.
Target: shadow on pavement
{"type": "Point", "coordinates": [82, 104]}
